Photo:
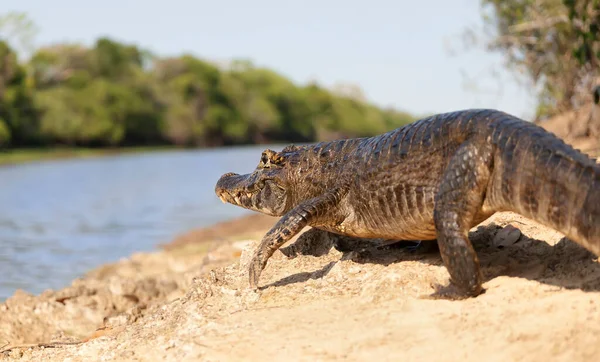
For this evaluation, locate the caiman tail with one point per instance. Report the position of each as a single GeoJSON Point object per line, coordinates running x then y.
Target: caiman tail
{"type": "Point", "coordinates": [541, 177]}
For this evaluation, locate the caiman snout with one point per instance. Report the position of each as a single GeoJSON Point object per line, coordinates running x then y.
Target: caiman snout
{"type": "Point", "coordinates": [230, 188]}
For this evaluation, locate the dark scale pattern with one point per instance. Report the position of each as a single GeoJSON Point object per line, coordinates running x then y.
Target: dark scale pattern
{"type": "Point", "coordinates": [432, 179]}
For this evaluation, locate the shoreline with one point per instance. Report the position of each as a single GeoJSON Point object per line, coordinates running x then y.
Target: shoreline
{"type": "Point", "coordinates": [246, 226]}
{"type": "Point", "coordinates": [241, 226]}
{"type": "Point", "coordinates": [133, 284]}
{"type": "Point", "coordinates": [20, 156]}
{"type": "Point", "coordinates": [189, 301]}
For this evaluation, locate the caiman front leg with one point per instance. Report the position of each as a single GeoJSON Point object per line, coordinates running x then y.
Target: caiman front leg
{"type": "Point", "coordinates": [307, 213]}
{"type": "Point", "coordinates": [459, 199]}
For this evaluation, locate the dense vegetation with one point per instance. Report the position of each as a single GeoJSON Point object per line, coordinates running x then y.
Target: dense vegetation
{"type": "Point", "coordinates": [114, 94]}
{"type": "Point", "coordinates": [554, 43]}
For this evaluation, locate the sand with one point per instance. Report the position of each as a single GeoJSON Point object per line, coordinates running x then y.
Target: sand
{"type": "Point", "coordinates": [542, 302]}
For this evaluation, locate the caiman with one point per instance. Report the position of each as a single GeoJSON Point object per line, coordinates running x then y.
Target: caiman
{"type": "Point", "coordinates": [433, 179]}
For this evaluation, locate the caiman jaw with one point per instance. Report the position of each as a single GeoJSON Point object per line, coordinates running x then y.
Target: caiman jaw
{"type": "Point", "coordinates": [227, 184]}
{"type": "Point", "coordinates": [233, 198]}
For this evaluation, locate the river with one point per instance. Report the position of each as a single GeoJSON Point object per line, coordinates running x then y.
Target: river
{"type": "Point", "coordinates": [59, 219]}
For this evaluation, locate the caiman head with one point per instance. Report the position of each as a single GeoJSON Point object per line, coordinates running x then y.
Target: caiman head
{"type": "Point", "coordinates": [266, 190]}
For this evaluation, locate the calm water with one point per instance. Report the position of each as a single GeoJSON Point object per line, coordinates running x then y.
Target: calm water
{"type": "Point", "coordinates": [59, 219]}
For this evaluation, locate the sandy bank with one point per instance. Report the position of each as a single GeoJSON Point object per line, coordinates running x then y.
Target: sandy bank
{"type": "Point", "coordinates": [190, 303]}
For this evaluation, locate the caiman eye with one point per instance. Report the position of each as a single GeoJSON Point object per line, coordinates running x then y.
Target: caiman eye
{"type": "Point", "coordinates": [264, 159]}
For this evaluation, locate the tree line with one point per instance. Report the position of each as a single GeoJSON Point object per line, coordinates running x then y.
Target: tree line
{"type": "Point", "coordinates": [113, 94]}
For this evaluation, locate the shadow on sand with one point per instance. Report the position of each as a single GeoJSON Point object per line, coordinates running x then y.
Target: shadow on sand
{"type": "Point", "coordinates": [565, 265]}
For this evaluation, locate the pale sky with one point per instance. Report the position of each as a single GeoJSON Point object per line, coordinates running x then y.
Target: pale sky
{"type": "Point", "coordinates": [394, 50]}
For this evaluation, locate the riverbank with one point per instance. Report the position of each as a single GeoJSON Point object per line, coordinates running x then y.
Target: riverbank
{"type": "Point", "coordinates": [27, 155]}
{"type": "Point", "coordinates": [559, 125]}
{"type": "Point", "coordinates": [188, 301]}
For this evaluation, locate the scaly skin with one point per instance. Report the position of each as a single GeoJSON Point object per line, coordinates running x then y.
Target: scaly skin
{"type": "Point", "coordinates": [433, 179]}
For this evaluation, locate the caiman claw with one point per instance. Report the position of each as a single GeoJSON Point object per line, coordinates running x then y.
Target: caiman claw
{"type": "Point", "coordinates": [254, 271]}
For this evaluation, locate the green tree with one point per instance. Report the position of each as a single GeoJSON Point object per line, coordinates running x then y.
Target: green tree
{"type": "Point", "coordinates": [187, 86]}
{"type": "Point", "coordinates": [16, 99]}
{"type": "Point", "coordinates": [4, 134]}
{"type": "Point", "coordinates": [116, 94]}
{"type": "Point", "coordinates": [116, 61]}
{"type": "Point", "coordinates": [61, 64]}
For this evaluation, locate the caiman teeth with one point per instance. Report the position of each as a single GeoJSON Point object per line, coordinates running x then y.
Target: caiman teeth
{"type": "Point", "coordinates": [237, 199]}
{"type": "Point", "coordinates": [249, 195]}
{"type": "Point", "coordinates": [221, 196]}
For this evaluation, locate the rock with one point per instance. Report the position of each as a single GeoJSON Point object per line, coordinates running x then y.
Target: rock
{"type": "Point", "coordinates": [506, 236]}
